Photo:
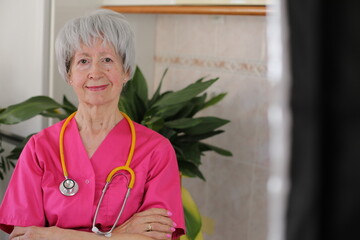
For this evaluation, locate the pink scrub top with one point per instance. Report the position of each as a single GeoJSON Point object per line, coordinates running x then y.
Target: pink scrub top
{"type": "Point", "coordinates": [33, 197]}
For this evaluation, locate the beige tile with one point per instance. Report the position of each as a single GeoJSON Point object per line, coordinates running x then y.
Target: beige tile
{"type": "Point", "coordinates": [229, 202]}
{"type": "Point", "coordinates": [261, 143]}
{"type": "Point", "coordinates": [242, 37]}
{"type": "Point", "coordinates": [258, 219]}
{"type": "Point", "coordinates": [196, 35]}
{"type": "Point", "coordinates": [234, 194]}
{"type": "Point", "coordinates": [197, 189]}
{"type": "Point", "coordinates": [165, 34]}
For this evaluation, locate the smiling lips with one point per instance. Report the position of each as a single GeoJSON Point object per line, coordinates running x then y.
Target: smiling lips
{"type": "Point", "coordinates": [97, 88]}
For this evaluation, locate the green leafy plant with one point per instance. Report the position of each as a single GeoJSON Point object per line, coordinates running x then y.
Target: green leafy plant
{"type": "Point", "coordinates": [6, 164]}
{"type": "Point", "coordinates": [171, 113]}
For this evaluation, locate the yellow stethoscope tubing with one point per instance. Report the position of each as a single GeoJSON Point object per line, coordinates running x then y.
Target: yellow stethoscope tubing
{"type": "Point", "coordinates": [61, 144]}
{"type": "Point", "coordinates": [130, 156]}
{"type": "Point", "coordinates": [126, 167]}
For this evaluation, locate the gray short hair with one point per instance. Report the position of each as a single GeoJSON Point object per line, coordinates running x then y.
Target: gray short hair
{"type": "Point", "coordinates": [110, 26]}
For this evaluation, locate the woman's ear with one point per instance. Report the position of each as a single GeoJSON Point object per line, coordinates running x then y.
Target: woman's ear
{"type": "Point", "coordinates": [68, 76]}
{"type": "Point", "coordinates": [69, 81]}
{"type": "Point", "coordinates": [126, 77]}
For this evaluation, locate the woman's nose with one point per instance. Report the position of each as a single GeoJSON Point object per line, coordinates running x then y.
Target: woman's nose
{"type": "Point", "coordinates": [95, 71]}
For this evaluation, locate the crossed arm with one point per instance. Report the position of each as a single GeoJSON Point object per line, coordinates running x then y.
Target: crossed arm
{"type": "Point", "coordinates": [136, 228]}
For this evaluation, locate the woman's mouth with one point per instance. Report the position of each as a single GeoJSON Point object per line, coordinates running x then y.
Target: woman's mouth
{"type": "Point", "coordinates": [97, 88]}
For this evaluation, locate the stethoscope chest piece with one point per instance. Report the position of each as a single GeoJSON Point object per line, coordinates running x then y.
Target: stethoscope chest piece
{"type": "Point", "coordinates": [69, 187]}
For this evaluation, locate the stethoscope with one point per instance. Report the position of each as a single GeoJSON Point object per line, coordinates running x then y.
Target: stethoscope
{"type": "Point", "coordinates": [69, 187]}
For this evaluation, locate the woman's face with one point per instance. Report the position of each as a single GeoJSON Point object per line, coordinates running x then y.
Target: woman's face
{"type": "Point", "coordinates": [97, 74]}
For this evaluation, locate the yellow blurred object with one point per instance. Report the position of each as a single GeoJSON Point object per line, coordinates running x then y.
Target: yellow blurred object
{"type": "Point", "coordinates": [199, 236]}
{"type": "Point", "coordinates": [184, 237]}
{"type": "Point", "coordinates": [208, 225]}
{"type": "Point", "coordinates": [192, 217]}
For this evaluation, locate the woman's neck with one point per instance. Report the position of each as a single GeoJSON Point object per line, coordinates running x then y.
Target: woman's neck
{"type": "Point", "coordinates": [96, 119]}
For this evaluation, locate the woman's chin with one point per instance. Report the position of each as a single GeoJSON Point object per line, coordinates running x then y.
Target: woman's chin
{"type": "Point", "coordinates": [96, 103]}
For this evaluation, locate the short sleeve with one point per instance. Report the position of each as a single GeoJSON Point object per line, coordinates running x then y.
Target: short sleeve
{"type": "Point", "coordinates": [22, 204]}
{"type": "Point", "coordinates": [163, 189]}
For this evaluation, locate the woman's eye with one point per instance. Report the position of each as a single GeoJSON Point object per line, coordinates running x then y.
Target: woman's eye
{"type": "Point", "coordinates": [108, 60]}
{"type": "Point", "coordinates": [83, 61]}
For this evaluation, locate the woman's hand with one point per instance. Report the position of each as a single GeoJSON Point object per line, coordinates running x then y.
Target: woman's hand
{"type": "Point", "coordinates": [34, 233]}
{"type": "Point", "coordinates": [56, 233]}
{"type": "Point", "coordinates": [155, 223]}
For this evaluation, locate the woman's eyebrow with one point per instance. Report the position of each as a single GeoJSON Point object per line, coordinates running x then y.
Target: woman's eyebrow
{"type": "Point", "coordinates": [100, 53]}
{"type": "Point", "coordinates": [81, 54]}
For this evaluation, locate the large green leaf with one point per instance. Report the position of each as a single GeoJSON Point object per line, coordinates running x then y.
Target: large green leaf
{"type": "Point", "coordinates": [189, 169]}
{"type": "Point", "coordinates": [126, 106]}
{"type": "Point", "coordinates": [167, 132]}
{"type": "Point", "coordinates": [190, 108]}
{"type": "Point", "coordinates": [196, 138]}
{"type": "Point", "coordinates": [208, 147]}
{"type": "Point", "coordinates": [214, 100]}
{"type": "Point", "coordinates": [184, 112]}
{"type": "Point", "coordinates": [155, 123]}
{"type": "Point", "coordinates": [54, 114]}
{"type": "Point", "coordinates": [183, 123]}
{"type": "Point", "coordinates": [190, 152]}
{"type": "Point", "coordinates": [134, 107]}
{"type": "Point", "coordinates": [157, 94]}
{"type": "Point", "coordinates": [192, 215]}
{"type": "Point", "coordinates": [207, 124]}
{"type": "Point", "coordinates": [27, 109]}
{"type": "Point", "coordinates": [133, 100]}
{"type": "Point", "coordinates": [185, 94]}
{"type": "Point", "coordinates": [167, 112]}
{"type": "Point", "coordinates": [68, 106]}
{"type": "Point", "coordinates": [140, 85]}
{"type": "Point", "coordinates": [2, 160]}
{"type": "Point", "coordinates": [140, 108]}
{"type": "Point", "coordinates": [15, 153]}
{"type": "Point", "coordinates": [198, 104]}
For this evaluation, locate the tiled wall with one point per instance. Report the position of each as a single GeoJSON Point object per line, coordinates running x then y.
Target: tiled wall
{"type": "Point", "coordinates": [234, 49]}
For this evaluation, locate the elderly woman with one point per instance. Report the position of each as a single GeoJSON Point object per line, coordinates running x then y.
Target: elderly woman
{"type": "Point", "coordinates": [56, 191]}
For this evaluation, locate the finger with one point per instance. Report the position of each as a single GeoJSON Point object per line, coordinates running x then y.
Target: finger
{"type": "Point", "coordinates": [15, 237]}
{"type": "Point", "coordinates": [158, 219]}
{"type": "Point", "coordinates": [155, 211]}
{"type": "Point", "coordinates": [158, 227]}
{"type": "Point", "coordinates": [159, 235]}
{"type": "Point", "coordinates": [18, 231]}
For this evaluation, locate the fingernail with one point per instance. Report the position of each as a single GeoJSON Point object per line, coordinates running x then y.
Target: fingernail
{"type": "Point", "coordinates": [172, 229]}
{"type": "Point", "coordinates": [174, 223]}
{"type": "Point", "coordinates": [169, 213]}
{"type": "Point", "coordinates": [168, 235]}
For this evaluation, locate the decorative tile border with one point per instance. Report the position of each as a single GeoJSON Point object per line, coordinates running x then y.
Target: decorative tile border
{"type": "Point", "coordinates": [224, 65]}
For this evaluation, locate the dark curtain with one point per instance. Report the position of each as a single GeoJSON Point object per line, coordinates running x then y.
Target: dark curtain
{"type": "Point", "coordinates": [324, 199]}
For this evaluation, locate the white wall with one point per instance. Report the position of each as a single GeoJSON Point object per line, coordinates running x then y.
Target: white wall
{"type": "Point", "coordinates": [23, 64]}
{"type": "Point", "coordinates": [24, 48]}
